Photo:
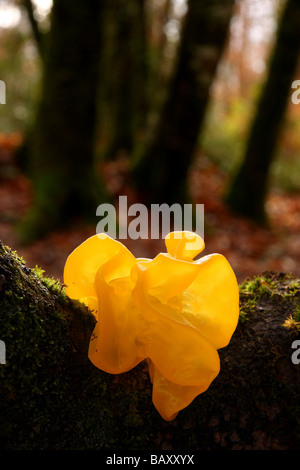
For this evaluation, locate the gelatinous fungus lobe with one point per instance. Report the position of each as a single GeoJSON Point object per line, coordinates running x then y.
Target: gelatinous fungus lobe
{"type": "Point", "coordinates": [172, 310]}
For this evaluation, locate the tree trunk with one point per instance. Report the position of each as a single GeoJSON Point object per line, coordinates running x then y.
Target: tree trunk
{"type": "Point", "coordinates": [62, 147]}
{"type": "Point", "coordinates": [249, 188]}
{"type": "Point", "coordinates": [126, 80]}
{"type": "Point", "coordinates": [162, 171]}
{"type": "Point", "coordinates": [53, 398]}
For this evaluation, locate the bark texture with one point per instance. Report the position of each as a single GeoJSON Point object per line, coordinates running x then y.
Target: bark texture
{"type": "Point", "coordinates": [53, 398]}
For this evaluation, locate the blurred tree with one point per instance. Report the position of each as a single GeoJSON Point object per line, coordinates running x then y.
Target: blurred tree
{"type": "Point", "coordinates": [62, 144]}
{"type": "Point", "coordinates": [162, 170]}
{"type": "Point", "coordinates": [37, 34]}
{"type": "Point", "coordinates": [249, 187]}
{"type": "Point", "coordinates": [126, 70]}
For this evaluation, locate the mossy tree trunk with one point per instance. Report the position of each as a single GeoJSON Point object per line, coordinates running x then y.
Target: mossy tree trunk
{"type": "Point", "coordinates": [62, 143]}
{"type": "Point", "coordinates": [250, 185]}
{"type": "Point", "coordinates": [53, 398]}
{"type": "Point", "coordinates": [162, 170]}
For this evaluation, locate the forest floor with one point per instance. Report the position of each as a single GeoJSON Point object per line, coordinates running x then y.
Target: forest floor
{"type": "Point", "coordinates": [250, 249]}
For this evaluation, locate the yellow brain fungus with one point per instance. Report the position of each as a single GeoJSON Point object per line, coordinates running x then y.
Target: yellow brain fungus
{"type": "Point", "coordinates": [173, 310]}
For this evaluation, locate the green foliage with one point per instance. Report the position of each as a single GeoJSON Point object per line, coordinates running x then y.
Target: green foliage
{"type": "Point", "coordinates": [223, 136]}
{"type": "Point", "coordinates": [286, 166]}
{"type": "Point", "coordinates": [284, 173]}
{"type": "Point", "coordinates": [20, 70]}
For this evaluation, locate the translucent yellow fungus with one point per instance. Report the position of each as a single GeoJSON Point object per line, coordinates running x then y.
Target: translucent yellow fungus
{"type": "Point", "coordinates": [172, 310]}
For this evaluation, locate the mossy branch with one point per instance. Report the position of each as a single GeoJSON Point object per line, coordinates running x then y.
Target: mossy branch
{"type": "Point", "coordinates": [52, 397]}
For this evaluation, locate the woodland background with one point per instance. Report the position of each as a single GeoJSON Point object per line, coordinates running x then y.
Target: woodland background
{"type": "Point", "coordinates": [160, 100]}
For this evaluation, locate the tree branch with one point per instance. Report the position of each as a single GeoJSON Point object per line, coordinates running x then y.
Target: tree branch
{"type": "Point", "coordinates": [53, 398]}
{"type": "Point", "coordinates": [38, 35]}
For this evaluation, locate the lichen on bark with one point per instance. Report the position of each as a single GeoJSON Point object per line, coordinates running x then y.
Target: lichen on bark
{"type": "Point", "coordinates": [52, 397]}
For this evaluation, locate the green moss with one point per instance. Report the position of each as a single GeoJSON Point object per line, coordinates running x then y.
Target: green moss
{"type": "Point", "coordinates": [259, 285]}
{"type": "Point", "coordinates": [51, 396]}
{"type": "Point", "coordinates": [296, 313]}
